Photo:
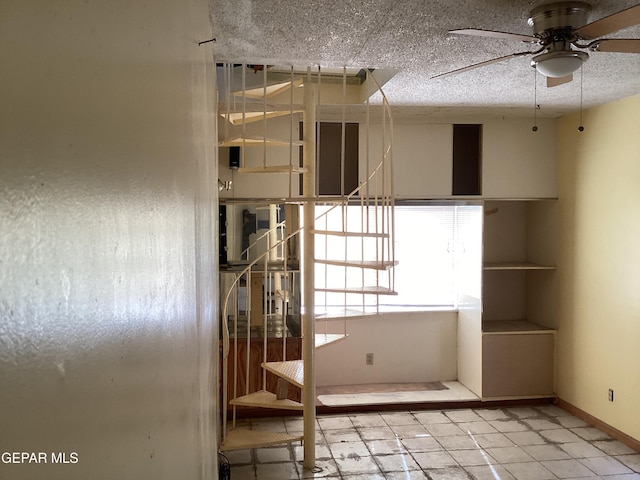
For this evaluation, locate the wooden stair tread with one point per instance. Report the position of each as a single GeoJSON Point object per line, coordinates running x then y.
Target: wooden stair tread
{"type": "Point", "coordinates": [342, 313]}
{"type": "Point", "coordinates": [271, 90]}
{"type": "Point", "coordinates": [324, 339]}
{"type": "Point", "coordinates": [273, 169]}
{"type": "Point", "coordinates": [235, 118]}
{"type": "Point", "coordinates": [367, 290]}
{"type": "Point", "coordinates": [290, 370]}
{"type": "Point", "coordinates": [265, 399]}
{"type": "Point", "coordinates": [238, 439]}
{"type": "Point", "coordinates": [257, 141]}
{"type": "Point", "coordinates": [371, 264]}
{"type": "Point", "coordinates": [340, 233]}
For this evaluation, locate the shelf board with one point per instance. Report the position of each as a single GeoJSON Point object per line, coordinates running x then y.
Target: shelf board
{"type": "Point", "coordinates": [513, 326]}
{"type": "Point", "coordinates": [516, 266]}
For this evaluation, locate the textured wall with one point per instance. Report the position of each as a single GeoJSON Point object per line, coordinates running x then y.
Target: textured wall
{"type": "Point", "coordinates": [107, 258]}
{"type": "Point", "coordinates": [598, 258]}
{"type": "Point", "coordinates": [423, 349]}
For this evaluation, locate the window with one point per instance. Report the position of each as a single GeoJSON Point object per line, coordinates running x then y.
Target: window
{"type": "Point", "coordinates": [434, 246]}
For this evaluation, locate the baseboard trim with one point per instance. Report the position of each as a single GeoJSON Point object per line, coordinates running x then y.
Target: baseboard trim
{"type": "Point", "coordinates": [599, 424]}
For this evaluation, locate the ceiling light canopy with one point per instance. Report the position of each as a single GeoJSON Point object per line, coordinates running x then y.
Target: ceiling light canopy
{"type": "Point", "coordinates": [559, 63]}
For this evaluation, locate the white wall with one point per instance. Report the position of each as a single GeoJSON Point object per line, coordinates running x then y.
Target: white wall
{"type": "Point", "coordinates": [407, 347]}
{"type": "Point", "coordinates": [107, 240]}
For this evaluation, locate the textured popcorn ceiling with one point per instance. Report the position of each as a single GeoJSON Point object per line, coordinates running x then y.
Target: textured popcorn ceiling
{"type": "Point", "coordinates": [411, 36]}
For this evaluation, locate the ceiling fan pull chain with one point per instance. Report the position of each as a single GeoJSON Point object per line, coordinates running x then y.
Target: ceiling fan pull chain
{"type": "Point", "coordinates": [535, 100]}
{"type": "Point", "coordinates": [581, 127]}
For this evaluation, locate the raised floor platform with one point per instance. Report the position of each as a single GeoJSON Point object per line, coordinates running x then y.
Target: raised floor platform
{"type": "Point", "coordinates": [375, 394]}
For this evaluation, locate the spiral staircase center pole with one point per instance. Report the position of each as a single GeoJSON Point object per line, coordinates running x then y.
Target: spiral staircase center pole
{"type": "Point", "coordinates": [308, 318]}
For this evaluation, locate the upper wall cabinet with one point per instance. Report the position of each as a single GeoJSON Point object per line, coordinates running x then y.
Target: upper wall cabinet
{"type": "Point", "coordinates": [517, 162]}
{"type": "Point", "coordinates": [422, 153]}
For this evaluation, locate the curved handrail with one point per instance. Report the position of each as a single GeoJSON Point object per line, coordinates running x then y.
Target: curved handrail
{"type": "Point", "coordinates": [225, 331]}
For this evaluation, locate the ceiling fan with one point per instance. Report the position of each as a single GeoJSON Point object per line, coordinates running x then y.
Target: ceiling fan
{"type": "Point", "coordinates": [560, 37]}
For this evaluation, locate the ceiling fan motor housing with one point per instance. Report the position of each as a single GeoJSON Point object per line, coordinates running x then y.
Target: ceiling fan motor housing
{"type": "Point", "coordinates": [553, 19]}
{"type": "Point", "coordinates": [554, 24]}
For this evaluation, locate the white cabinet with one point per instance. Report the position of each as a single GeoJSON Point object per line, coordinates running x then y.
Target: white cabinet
{"type": "Point", "coordinates": [517, 162]}
{"type": "Point", "coordinates": [517, 363]}
{"type": "Point", "coordinates": [518, 298]}
{"type": "Point", "coordinates": [422, 154]}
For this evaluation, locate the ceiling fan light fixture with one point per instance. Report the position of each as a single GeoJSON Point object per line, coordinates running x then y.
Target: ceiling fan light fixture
{"type": "Point", "coordinates": [559, 63]}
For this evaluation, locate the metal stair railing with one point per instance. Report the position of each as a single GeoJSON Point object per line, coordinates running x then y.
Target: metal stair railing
{"type": "Point", "coordinates": [375, 198]}
{"type": "Point", "coordinates": [233, 292]}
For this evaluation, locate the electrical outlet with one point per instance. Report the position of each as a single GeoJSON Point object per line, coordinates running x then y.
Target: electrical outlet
{"type": "Point", "coordinates": [369, 359]}
{"type": "Point", "coordinates": [611, 394]}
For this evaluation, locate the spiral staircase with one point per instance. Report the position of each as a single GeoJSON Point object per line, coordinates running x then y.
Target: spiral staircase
{"type": "Point", "coordinates": [336, 262]}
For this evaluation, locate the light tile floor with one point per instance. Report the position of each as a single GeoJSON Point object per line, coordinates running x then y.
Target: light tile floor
{"type": "Point", "coordinates": [523, 443]}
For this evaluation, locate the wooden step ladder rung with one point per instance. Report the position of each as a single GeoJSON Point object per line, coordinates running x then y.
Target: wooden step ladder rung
{"type": "Point", "coordinates": [369, 264]}
{"type": "Point", "coordinates": [372, 290]}
{"type": "Point", "coordinates": [271, 90]}
{"type": "Point", "coordinates": [235, 117]}
{"type": "Point", "coordinates": [258, 142]}
{"type": "Point", "coordinates": [273, 169]}
{"type": "Point", "coordinates": [340, 233]}
{"type": "Point", "coordinates": [342, 313]}
{"type": "Point", "coordinates": [291, 370]}
{"type": "Point", "coordinates": [240, 439]}
{"type": "Point", "coordinates": [324, 339]}
{"type": "Point", "coordinates": [265, 399]}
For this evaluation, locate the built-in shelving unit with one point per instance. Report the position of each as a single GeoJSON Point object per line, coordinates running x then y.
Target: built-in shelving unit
{"type": "Point", "coordinates": [518, 298]}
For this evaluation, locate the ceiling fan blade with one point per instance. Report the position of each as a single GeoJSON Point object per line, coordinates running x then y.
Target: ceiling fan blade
{"type": "Point", "coordinates": [493, 34]}
{"type": "Point", "coordinates": [620, 45]}
{"type": "Point", "coordinates": [612, 23]}
{"type": "Point", "coordinates": [555, 81]}
{"type": "Point", "coordinates": [481, 64]}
